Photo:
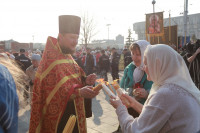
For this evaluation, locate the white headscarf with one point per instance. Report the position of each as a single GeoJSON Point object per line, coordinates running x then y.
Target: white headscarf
{"type": "Point", "coordinates": [165, 66]}
{"type": "Point", "coordinates": [138, 72]}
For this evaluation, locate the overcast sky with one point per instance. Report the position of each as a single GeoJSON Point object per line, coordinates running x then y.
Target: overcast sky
{"type": "Point", "coordinates": [22, 19]}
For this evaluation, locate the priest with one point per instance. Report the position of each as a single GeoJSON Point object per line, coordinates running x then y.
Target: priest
{"type": "Point", "coordinates": [61, 86]}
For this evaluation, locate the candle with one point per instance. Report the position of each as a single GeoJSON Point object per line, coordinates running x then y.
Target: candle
{"type": "Point", "coordinates": [120, 92]}
{"type": "Point", "coordinates": [98, 87]}
{"type": "Point", "coordinates": [107, 90]}
{"type": "Point", "coordinates": [110, 88]}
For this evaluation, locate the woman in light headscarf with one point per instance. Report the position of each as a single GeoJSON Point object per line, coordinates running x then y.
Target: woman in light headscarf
{"type": "Point", "coordinates": [134, 79]}
{"type": "Point", "coordinates": [173, 104]}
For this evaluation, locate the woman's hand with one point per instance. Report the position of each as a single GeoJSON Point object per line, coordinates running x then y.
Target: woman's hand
{"type": "Point", "coordinates": [133, 103]}
{"type": "Point", "coordinates": [115, 102]}
{"type": "Point", "coordinates": [128, 98]}
{"type": "Point", "coordinates": [140, 93]}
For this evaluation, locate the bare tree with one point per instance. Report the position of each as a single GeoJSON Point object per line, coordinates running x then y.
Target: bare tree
{"type": "Point", "coordinates": [88, 28]}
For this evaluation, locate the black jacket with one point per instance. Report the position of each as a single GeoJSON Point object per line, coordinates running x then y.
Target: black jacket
{"type": "Point", "coordinates": [78, 61]}
{"type": "Point", "coordinates": [23, 61]}
{"type": "Point", "coordinates": [115, 60]}
{"type": "Point", "coordinates": [89, 61]}
{"type": "Point", "coordinates": [127, 59]}
{"type": "Point", "coordinates": [104, 62]}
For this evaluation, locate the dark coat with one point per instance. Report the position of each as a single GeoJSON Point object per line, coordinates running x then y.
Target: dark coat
{"type": "Point", "coordinates": [104, 63]}
{"type": "Point", "coordinates": [23, 61]}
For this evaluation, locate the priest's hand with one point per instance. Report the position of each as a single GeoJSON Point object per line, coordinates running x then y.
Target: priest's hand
{"type": "Point", "coordinates": [87, 92]}
{"type": "Point", "coordinates": [90, 79]}
{"type": "Point", "coordinates": [115, 102]}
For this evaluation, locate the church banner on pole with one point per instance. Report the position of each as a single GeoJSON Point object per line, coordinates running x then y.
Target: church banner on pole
{"type": "Point", "coordinates": [154, 23]}
{"type": "Point", "coordinates": [154, 27]}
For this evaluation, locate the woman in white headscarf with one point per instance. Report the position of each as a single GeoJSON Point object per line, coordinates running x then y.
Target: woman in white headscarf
{"type": "Point", "coordinates": [134, 79]}
{"type": "Point", "coordinates": [173, 104]}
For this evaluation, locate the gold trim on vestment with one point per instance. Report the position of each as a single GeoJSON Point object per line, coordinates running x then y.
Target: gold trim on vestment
{"type": "Point", "coordinates": [52, 93]}
{"type": "Point", "coordinates": [78, 117]}
{"type": "Point", "coordinates": [85, 115]}
{"type": "Point", "coordinates": [57, 46]}
{"type": "Point", "coordinates": [44, 74]}
{"type": "Point", "coordinates": [58, 121]}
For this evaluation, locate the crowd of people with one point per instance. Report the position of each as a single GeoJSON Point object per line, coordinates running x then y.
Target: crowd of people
{"type": "Point", "coordinates": [162, 86]}
{"type": "Point", "coordinates": [103, 61]}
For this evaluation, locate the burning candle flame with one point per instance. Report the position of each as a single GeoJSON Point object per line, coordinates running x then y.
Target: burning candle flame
{"type": "Point", "coordinates": [100, 80]}
{"type": "Point", "coordinates": [115, 84]}
{"type": "Point", "coordinates": [106, 87]}
{"type": "Point", "coordinates": [115, 81]}
{"type": "Point", "coordinates": [107, 83]}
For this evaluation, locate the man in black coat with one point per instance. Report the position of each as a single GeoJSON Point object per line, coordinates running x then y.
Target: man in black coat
{"type": "Point", "coordinates": [89, 63]}
{"type": "Point", "coordinates": [23, 61]}
{"type": "Point", "coordinates": [104, 65]}
{"type": "Point", "coordinates": [127, 57]}
{"type": "Point", "coordinates": [114, 64]}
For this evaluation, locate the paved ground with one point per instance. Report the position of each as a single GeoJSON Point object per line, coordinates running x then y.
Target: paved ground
{"type": "Point", "coordinates": [103, 120]}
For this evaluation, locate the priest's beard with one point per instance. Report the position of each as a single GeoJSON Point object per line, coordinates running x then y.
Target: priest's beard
{"type": "Point", "coordinates": [66, 50]}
